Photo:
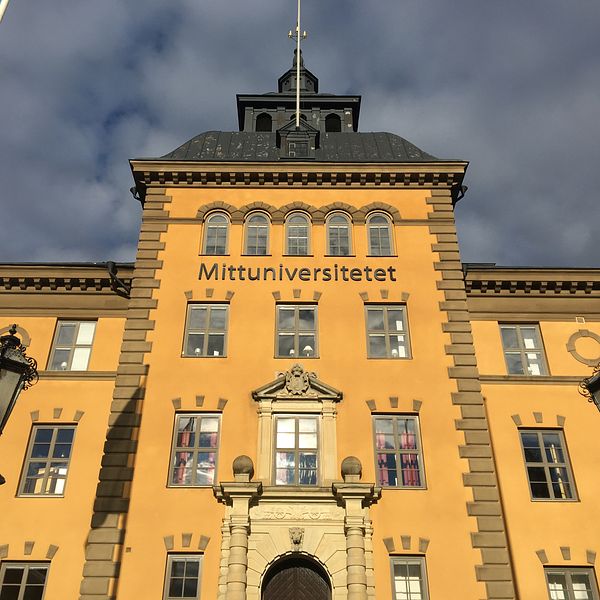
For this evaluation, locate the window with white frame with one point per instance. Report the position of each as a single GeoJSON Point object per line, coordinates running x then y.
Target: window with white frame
{"type": "Point", "coordinates": [338, 235]}
{"type": "Point", "coordinates": [387, 331]}
{"type": "Point", "coordinates": [408, 578]}
{"type": "Point", "coordinates": [257, 235]}
{"type": "Point", "coordinates": [47, 460]}
{"type": "Point", "coordinates": [296, 331]}
{"type": "Point", "coordinates": [523, 349]}
{"type": "Point", "coordinates": [183, 576]}
{"type": "Point", "coordinates": [216, 234]}
{"type": "Point", "coordinates": [577, 583]}
{"type": "Point", "coordinates": [297, 235]}
{"type": "Point", "coordinates": [206, 330]}
{"type": "Point", "coordinates": [398, 451]}
{"type": "Point", "coordinates": [547, 464]}
{"type": "Point", "coordinates": [379, 233]}
{"type": "Point", "coordinates": [296, 450]}
{"type": "Point", "coordinates": [23, 581]}
{"type": "Point", "coordinates": [195, 449]}
{"type": "Point", "coordinates": [72, 345]}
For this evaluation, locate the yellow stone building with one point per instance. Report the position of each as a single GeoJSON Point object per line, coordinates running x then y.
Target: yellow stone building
{"type": "Point", "coordinates": [299, 390]}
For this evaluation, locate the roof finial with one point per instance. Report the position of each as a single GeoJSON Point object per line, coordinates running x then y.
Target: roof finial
{"type": "Point", "coordinates": [298, 35]}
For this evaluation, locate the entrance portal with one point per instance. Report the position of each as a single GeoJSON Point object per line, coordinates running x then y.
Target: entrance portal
{"type": "Point", "coordinates": [297, 578]}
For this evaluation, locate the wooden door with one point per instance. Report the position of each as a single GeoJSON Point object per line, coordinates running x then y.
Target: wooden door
{"type": "Point", "coordinates": [296, 579]}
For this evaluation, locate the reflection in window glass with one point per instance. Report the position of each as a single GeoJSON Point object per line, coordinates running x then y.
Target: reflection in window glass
{"type": "Point", "coordinates": [47, 462]}
{"type": "Point", "coordinates": [409, 579]}
{"type": "Point", "coordinates": [216, 234]}
{"type": "Point", "coordinates": [548, 470]}
{"type": "Point", "coordinates": [195, 449]}
{"type": "Point", "coordinates": [380, 236]}
{"type": "Point", "coordinates": [398, 452]}
{"type": "Point", "coordinates": [297, 235]}
{"type": "Point", "coordinates": [338, 235]}
{"type": "Point", "coordinates": [296, 447]}
{"type": "Point", "coordinates": [206, 330]}
{"type": "Point", "coordinates": [571, 584]}
{"type": "Point", "coordinates": [523, 350]}
{"type": "Point", "coordinates": [72, 346]}
{"type": "Point", "coordinates": [23, 581]}
{"type": "Point", "coordinates": [296, 331]}
{"type": "Point", "coordinates": [387, 333]}
{"type": "Point", "coordinates": [183, 576]}
{"type": "Point", "coordinates": [257, 235]}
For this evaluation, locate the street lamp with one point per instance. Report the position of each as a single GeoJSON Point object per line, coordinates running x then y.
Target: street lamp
{"type": "Point", "coordinates": [590, 387]}
{"type": "Point", "coordinates": [17, 372]}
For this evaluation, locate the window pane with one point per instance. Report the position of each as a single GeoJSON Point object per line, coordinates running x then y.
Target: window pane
{"type": "Point", "coordinates": [398, 346]}
{"type": "Point", "coordinates": [195, 344]}
{"type": "Point", "coordinates": [60, 360]}
{"type": "Point", "coordinates": [286, 440]}
{"type": "Point", "coordinates": [375, 319]}
{"type": "Point", "coordinates": [530, 338]}
{"type": "Point", "coordinates": [307, 440]}
{"type": "Point", "coordinates": [85, 335]}
{"type": "Point", "coordinates": [190, 588]}
{"type": "Point", "coordinates": [192, 568]}
{"type": "Point", "coordinates": [216, 344]}
{"type": "Point", "coordinates": [285, 344]}
{"type": "Point", "coordinates": [510, 339]}
{"type": "Point", "coordinates": [13, 575]}
{"type": "Point", "coordinates": [395, 319]}
{"type": "Point", "coordinates": [198, 317]}
{"type": "Point", "coordinates": [306, 319]}
{"type": "Point", "coordinates": [306, 345]}
{"type": "Point", "coordinates": [66, 334]}
{"type": "Point", "coordinates": [307, 469]}
{"type": "Point", "coordinates": [377, 346]}
{"type": "Point", "coordinates": [81, 357]}
{"type": "Point", "coordinates": [285, 317]}
{"type": "Point", "coordinates": [176, 587]}
{"type": "Point", "coordinates": [514, 364]}
{"type": "Point", "coordinates": [209, 424]}
{"type": "Point", "coordinates": [182, 471]}
{"type": "Point", "coordinates": [554, 452]}
{"type": "Point", "coordinates": [33, 592]}
{"type": "Point", "coordinates": [205, 471]}
{"type": "Point", "coordinates": [218, 318]}
{"type": "Point", "coordinates": [387, 469]}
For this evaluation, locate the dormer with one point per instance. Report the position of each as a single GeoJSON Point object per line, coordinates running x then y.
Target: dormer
{"type": "Point", "coordinates": [297, 142]}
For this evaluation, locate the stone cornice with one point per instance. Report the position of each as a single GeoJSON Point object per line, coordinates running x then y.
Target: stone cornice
{"type": "Point", "coordinates": [438, 174]}
{"type": "Point", "coordinates": [59, 279]}
{"type": "Point", "coordinates": [502, 281]}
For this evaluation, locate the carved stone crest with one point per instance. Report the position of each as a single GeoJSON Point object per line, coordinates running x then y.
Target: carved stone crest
{"type": "Point", "coordinates": [297, 380]}
{"type": "Point", "coordinates": [296, 536]}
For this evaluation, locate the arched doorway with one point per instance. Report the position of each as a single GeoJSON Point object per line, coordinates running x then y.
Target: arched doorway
{"type": "Point", "coordinates": [296, 578]}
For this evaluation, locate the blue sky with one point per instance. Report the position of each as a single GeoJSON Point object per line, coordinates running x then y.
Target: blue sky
{"type": "Point", "coordinates": [512, 86]}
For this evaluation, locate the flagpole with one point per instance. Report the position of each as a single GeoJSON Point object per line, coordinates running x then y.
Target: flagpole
{"type": "Point", "coordinates": [297, 68]}
{"type": "Point", "coordinates": [3, 5]}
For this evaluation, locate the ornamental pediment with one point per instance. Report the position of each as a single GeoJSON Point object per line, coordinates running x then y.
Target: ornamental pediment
{"type": "Point", "coordinates": [296, 383]}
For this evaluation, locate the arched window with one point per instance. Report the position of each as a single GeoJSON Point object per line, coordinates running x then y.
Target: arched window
{"type": "Point", "coordinates": [264, 122]}
{"type": "Point", "coordinates": [333, 123]}
{"type": "Point", "coordinates": [338, 235]}
{"type": "Point", "coordinates": [380, 235]}
{"type": "Point", "coordinates": [297, 235]}
{"type": "Point", "coordinates": [216, 234]}
{"type": "Point", "coordinates": [257, 234]}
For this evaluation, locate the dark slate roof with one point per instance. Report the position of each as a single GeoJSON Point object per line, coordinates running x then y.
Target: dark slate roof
{"type": "Point", "coordinates": [334, 147]}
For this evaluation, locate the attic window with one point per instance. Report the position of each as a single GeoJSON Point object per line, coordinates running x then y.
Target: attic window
{"type": "Point", "coordinates": [264, 122]}
{"type": "Point", "coordinates": [298, 149]}
{"type": "Point", "coordinates": [333, 123]}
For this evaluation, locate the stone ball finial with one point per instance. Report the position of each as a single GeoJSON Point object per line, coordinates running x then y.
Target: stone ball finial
{"type": "Point", "coordinates": [243, 468]}
{"type": "Point", "coordinates": [351, 469]}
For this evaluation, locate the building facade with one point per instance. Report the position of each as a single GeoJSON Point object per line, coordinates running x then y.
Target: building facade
{"type": "Point", "coordinates": [298, 390]}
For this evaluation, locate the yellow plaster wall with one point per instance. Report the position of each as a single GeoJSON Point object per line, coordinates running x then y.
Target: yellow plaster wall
{"type": "Point", "coordinates": [437, 513]}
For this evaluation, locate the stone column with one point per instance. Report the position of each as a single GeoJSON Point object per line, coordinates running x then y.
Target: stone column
{"type": "Point", "coordinates": [238, 495]}
{"type": "Point", "coordinates": [356, 498]}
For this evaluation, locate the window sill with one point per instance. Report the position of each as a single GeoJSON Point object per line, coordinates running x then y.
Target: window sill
{"type": "Point", "coordinates": [403, 488]}
{"type": "Point", "coordinates": [339, 255]}
{"type": "Point", "coordinates": [568, 500]}
{"type": "Point", "coordinates": [200, 357]}
{"type": "Point", "coordinates": [298, 255]}
{"type": "Point", "coordinates": [77, 374]}
{"type": "Point", "coordinates": [296, 357]}
{"type": "Point", "coordinates": [208, 486]}
{"type": "Point", "coordinates": [532, 379]}
{"type": "Point", "coordinates": [398, 358]}
{"type": "Point", "coordinates": [40, 495]}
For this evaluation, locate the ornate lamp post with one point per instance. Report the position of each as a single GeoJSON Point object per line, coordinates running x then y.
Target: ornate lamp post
{"type": "Point", "coordinates": [17, 372]}
{"type": "Point", "coordinates": [590, 387]}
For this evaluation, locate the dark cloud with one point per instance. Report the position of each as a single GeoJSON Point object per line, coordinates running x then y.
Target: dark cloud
{"type": "Point", "coordinates": [511, 86]}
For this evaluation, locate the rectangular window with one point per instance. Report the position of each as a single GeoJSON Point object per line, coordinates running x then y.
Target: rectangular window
{"type": "Point", "coordinates": [72, 346]}
{"type": "Point", "coordinates": [47, 462]}
{"type": "Point", "coordinates": [523, 350]}
{"type": "Point", "coordinates": [547, 464]}
{"type": "Point", "coordinates": [23, 581]}
{"type": "Point", "coordinates": [408, 578]}
{"type": "Point", "coordinates": [183, 576]}
{"type": "Point", "coordinates": [296, 331]}
{"type": "Point", "coordinates": [206, 330]}
{"type": "Point", "coordinates": [571, 584]}
{"type": "Point", "coordinates": [387, 331]}
{"type": "Point", "coordinates": [195, 450]}
{"type": "Point", "coordinates": [296, 450]}
{"type": "Point", "coordinates": [398, 452]}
